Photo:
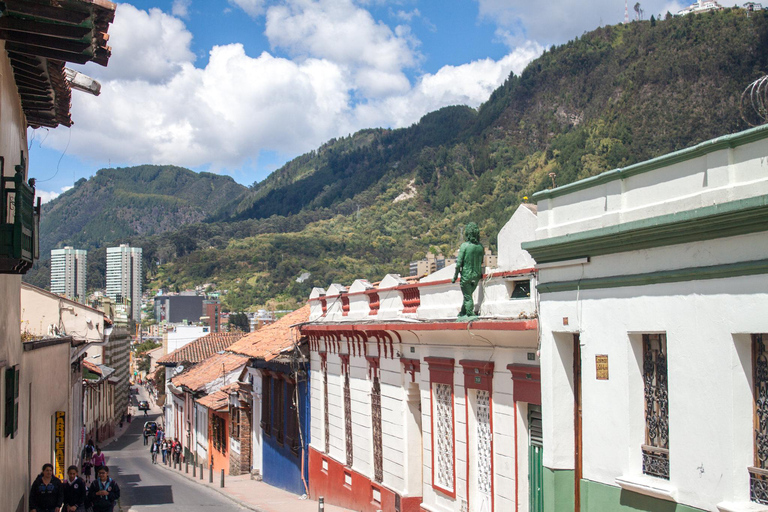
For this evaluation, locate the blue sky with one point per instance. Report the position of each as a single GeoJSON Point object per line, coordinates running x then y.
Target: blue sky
{"type": "Point", "coordinates": [239, 87]}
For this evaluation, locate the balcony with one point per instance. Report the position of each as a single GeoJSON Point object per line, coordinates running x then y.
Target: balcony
{"type": "Point", "coordinates": [19, 223]}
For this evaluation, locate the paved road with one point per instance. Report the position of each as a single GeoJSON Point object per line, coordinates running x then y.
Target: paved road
{"type": "Point", "coordinates": [145, 487]}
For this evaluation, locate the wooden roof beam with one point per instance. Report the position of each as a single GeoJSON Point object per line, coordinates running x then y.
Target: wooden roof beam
{"type": "Point", "coordinates": [49, 53]}
{"type": "Point", "coordinates": [54, 43]}
{"type": "Point", "coordinates": [45, 29]}
{"type": "Point", "coordinates": [46, 12]}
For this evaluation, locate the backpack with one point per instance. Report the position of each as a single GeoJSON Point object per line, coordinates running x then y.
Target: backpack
{"type": "Point", "coordinates": [177, 448]}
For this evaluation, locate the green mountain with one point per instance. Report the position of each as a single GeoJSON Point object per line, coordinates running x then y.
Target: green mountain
{"type": "Point", "coordinates": [116, 204]}
{"type": "Point", "coordinates": [364, 205]}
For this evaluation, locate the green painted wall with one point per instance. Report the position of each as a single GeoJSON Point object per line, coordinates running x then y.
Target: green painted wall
{"type": "Point", "coordinates": [597, 497]}
{"type": "Point", "coordinates": [558, 490]}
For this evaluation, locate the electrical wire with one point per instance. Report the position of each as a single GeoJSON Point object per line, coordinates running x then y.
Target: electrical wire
{"type": "Point", "coordinates": [69, 139]}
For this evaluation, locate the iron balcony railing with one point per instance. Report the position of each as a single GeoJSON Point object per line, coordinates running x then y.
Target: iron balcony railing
{"type": "Point", "coordinates": [19, 223]}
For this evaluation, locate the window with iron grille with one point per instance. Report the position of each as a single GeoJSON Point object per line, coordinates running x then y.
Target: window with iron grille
{"type": "Point", "coordinates": [378, 454]}
{"type": "Point", "coordinates": [326, 421]}
{"type": "Point", "coordinates": [234, 424]}
{"type": "Point", "coordinates": [348, 420]}
{"type": "Point", "coordinates": [292, 423]}
{"type": "Point", "coordinates": [265, 404]}
{"type": "Point", "coordinates": [11, 402]}
{"type": "Point", "coordinates": [758, 474]}
{"type": "Point", "coordinates": [656, 447]}
{"type": "Point", "coordinates": [442, 409]}
{"type": "Point", "coordinates": [278, 421]}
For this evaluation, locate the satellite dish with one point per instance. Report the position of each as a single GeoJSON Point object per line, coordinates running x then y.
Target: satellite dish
{"type": "Point", "coordinates": [178, 369]}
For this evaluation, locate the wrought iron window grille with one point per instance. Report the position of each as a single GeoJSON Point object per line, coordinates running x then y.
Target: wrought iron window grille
{"type": "Point", "coordinates": [348, 420]}
{"type": "Point", "coordinates": [758, 475]}
{"type": "Point", "coordinates": [656, 447]}
{"type": "Point", "coordinates": [378, 454]}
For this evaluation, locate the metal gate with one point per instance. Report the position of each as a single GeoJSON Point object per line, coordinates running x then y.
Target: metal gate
{"type": "Point", "coordinates": [535, 460]}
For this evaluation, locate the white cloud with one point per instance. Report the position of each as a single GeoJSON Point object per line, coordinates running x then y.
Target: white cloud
{"type": "Point", "coordinates": [224, 114]}
{"type": "Point", "coordinates": [46, 196]}
{"type": "Point", "coordinates": [146, 45]}
{"type": "Point", "coordinates": [339, 31]}
{"type": "Point", "coordinates": [252, 7]}
{"type": "Point", "coordinates": [180, 8]}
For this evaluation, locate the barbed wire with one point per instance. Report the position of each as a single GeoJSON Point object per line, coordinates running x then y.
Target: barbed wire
{"type": "Point", "coordinates": [754, 102]}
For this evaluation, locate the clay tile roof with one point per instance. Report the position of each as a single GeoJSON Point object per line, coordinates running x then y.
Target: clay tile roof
{"type": "Point", "coordinates": [201, 348]}
{"type": "Point", "coordinates": [40, 37]}
{"type": "Point", "coordinates": [209, 370]}
{"type": "Point", "coordinates": [217, 401]}
{"type": "Point", "coordinates": [269, 341]}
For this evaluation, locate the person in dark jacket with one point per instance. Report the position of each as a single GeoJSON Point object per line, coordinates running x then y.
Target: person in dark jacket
{"type": "Point", "coordinates": [74, 492]}
{"type": "Point", "coordinates": [103, 492]}
{"type": "Point", "coordinates": [46, 494]}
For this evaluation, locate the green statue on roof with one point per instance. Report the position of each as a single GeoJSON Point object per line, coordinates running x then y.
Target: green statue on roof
{"type": "Point", "coordinates": [470, 266]}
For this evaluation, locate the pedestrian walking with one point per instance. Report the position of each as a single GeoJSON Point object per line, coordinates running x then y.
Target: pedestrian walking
{"type": "Point", "coordinates": [176, 451]}
{"type": "Point", "coordinates": [46, 494]}
{"type": "Point", "coordinates": [99, 459]}
{"type": "Point", "coordinates": [164, 448]}
{"type": "Point", "coordinates": [74, 492]}
{"type": "Point", "coordinates": [129, 417]}
{"type": "Point", "coordinates": [103, 492]}
{"type": "Point", "coordinates": [153, 450]}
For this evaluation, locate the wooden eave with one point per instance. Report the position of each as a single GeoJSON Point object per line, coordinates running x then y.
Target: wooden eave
{"type": "Point", "coordinates": [40, 37]}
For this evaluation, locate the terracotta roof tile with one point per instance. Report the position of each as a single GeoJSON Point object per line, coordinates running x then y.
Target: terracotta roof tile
{"type": "Point", "coordinates": [217, 401]}
{"type": "Point", "coordinates": [269, 341]}
{"type": "Point", "coordinates": [92, 367]}
{"type": "Point", "coordinates": [209, 370]}
{"type": "Point", "coordinates": [201, 348]}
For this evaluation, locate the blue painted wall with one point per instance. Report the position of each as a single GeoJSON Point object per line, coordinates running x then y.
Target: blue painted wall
{"type": "Point", "coordinates": [282, 468]}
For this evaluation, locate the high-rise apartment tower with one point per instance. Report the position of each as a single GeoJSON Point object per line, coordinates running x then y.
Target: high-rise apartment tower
{"type": "Point", "coordinates": [124, 277]}
{"type": "Point", "coordinates": [68, 273]}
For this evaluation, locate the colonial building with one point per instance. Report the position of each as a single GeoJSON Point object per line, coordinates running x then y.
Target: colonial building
{"type": "Point", "coordinates": [413, 410]}
{"type": "Point", "coordinates": [99, 402]}
{"type": "Point", "coordinates": [203, 423]}
{"type": "Point", "coordinates": [653, 286]}
{"type": "Point", "coordinates": [34, 92]}
{"type": "Point", "coordinates": [185, 358]}
{"type": "Point", "coordinates": [279, 404]}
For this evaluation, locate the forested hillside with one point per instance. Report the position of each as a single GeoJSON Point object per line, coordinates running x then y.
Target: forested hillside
{"type": "Point", "coordinates": [365, 205]}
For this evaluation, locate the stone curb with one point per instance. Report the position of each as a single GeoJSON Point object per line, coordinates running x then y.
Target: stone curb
{"type": "Point", "coordinates": [219, 490]}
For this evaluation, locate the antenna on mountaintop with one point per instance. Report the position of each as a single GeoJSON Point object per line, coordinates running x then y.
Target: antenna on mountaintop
{"type": "Point", "coordinates": [626, 12]}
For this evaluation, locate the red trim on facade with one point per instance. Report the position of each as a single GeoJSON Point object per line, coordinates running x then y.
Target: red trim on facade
{"type": "Point", "coordinates": [517, 487]}
{"type": "Point", "coordinates": [411, 366]}
{"type": "Point", "coordinates": [344, 305]}
{"type": "Point", "coordinates": [344, 363]}
{"type": "Point", "coordinates": [373, 366]}
{"type": "Point", "coordinates": [324, 303]}
{"type": "Point", "coordinates": [527, 383]}
{"type": "Point", "coordinates": [359, 495]}
{"type": "Point", "coordinates": [373, 301]}
{"type": "Point", "coordinates": [480, 325]}
{"type": "Point", "coordinates": [411, 298]}
{"type": "Point", "coordinates": [441, 372]}
{"type": "Point", "coordinates": [323, 360]}
{"type": "Point", "coordinates": [478, 375]}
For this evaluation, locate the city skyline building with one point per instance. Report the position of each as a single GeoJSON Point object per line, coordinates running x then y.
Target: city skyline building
{"type": "Point", "coordinates": [124, 277]}
{"type": "Point", "coordinates": [69, 267]}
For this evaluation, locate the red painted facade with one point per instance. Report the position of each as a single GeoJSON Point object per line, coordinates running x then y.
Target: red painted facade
{"type": "Point", "coordinates": [341, 486]}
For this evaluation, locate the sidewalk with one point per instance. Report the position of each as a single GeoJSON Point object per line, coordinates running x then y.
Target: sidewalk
{"type": "Point", "coordinates": [255, 495]}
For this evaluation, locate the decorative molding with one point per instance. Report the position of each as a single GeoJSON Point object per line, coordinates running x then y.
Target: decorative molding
{"type": "Point", "coordinates": [526, 383]}
{"type": "Point", "coordinates": [344, 363]}
{"type": "Point", "coordinates": [411, 366]}
{"type": "Point", "coordinates": [478, 374]}
{"type": "Point", "coordinates": [373, 366]}
{"type": "Point", "coordinates": [744, 268]}
{"type": "Point", "coordinates": [704, 148]}
{"type": "Point", "coordinates": [706, 223]}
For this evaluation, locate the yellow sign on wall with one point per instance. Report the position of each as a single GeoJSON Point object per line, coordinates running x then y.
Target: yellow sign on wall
{"type": "Point", "coordinates": [601, 365]}
{"type": "Point", "coordinates": [59, 459]}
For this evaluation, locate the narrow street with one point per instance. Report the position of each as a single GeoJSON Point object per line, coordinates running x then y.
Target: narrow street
{"type": "Point", "coordinates": [146, 487]}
